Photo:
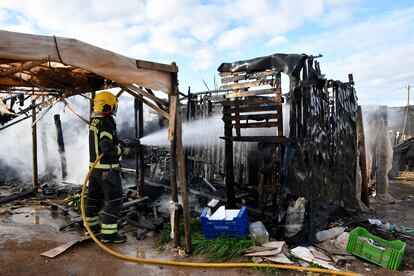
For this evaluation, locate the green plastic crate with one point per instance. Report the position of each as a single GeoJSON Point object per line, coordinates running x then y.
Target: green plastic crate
{"type": "Point", "coordinates": [389, 256]}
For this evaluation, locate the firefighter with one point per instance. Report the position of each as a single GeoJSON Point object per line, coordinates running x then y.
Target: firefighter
{"type": "Point", "coordinates": [105, 188]}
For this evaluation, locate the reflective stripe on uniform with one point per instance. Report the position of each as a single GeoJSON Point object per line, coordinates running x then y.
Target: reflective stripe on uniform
{"type": "Point", "coordinates": [105, 166]}
{"type": "Point", "coordinates": [89, 219]}
{"type": "Point", "coordinates": [109, 228]}
{"type": "Point", "coordinates": [95, 132]}
{"type": "Point", "coordinates": [119, 150]}
{"type": "Point", "coordinates": [92, 221]}
{"type": "Point", "coordinates": [109, 231]}
{"type": "Point", "coordinates": [106, 134]}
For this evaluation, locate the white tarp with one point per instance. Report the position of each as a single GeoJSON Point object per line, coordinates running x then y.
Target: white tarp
{"type": "Point", "coordinates": [123, 70]}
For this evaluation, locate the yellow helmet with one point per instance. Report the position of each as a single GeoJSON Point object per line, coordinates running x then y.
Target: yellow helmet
{"type": "Point", "coordinates": [105, 103]}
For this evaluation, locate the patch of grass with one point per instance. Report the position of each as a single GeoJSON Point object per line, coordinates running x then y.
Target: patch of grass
{"type": "Point", "coordinates": [315, 265]}
{"type": "Point", "coordinates": [267, 270]}
{"type": "Point", "coordinates": [164, 237]}
{"type": "Point", "coordinates": [221, 248]}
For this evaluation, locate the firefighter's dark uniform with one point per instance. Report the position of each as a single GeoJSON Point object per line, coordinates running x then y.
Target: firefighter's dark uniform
{"type": "Point", "coordinates": [105, 187]}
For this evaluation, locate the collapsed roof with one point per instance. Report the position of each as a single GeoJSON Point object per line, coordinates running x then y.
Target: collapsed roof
{"type": "Point", "coordinates": [69, 64]}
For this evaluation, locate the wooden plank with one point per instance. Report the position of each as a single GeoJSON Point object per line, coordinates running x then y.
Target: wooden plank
{"type": "Point", "coordinates": [173, 114]}
{"type": "Point", "coordinates": [8, 81]}
{"type": "Point", "coordinates": [257, 125]}
{"type": "Point", "coordinates": [183, 182]}
{"type": "Point", "coordinates": [150, 104]}
{"type": "Point", "coordinates": [255, 93]}
{"type": "Point", "coordinates": [255, 75]}
{"type": "Point", "coordinates": [254, 117]}
{"type": "Point", "coordinates": [144, 64]}
{"type": "Point", "coordinates": [258, 108]}
{"type": "Point", "coordinates": [24, 66]}
{"type": "Point", "coordinates": [62, 248]}
{"type": "Point", "coordinates": [248, 84]}
{"type": "Point", "coordinates": [146, 94]}
{"type": "Point", "coordinates": [252, 100]}
{"type": "Point", "coordinates": [175, 220]}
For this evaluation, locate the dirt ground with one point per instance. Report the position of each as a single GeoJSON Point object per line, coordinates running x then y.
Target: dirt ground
{"type": "Point", "coordinates": [28, 231]}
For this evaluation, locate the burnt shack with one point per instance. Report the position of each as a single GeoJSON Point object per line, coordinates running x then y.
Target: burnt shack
{"type": "Point", "coordinates": [276, 146]}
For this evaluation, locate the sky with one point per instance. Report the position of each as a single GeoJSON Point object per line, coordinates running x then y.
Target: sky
{"type": "Point", "coordinates": [374, 40]}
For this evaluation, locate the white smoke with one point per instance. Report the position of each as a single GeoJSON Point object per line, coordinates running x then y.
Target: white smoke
{"type": "Point", "coordinates": [16, 141]}
{"type": "Point", "coordinates": [204, 131]}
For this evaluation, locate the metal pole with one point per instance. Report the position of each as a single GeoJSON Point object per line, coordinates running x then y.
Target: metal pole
{"type": "Point", "coordinates": [35, 177]}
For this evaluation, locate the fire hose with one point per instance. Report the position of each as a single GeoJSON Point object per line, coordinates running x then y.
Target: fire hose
{"type": "Point", "coordinates": [189, 264]}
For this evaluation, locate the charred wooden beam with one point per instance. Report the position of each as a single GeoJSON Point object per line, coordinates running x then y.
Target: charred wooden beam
{"type": "Point", "coordinates": [252, 108]}
{"type": "Point", "coordinates": [139, 149]}
{"type": "Point", "coordinates": [253, 117]}
{"type": "Point", "coordinates": [269, 139]}
{"type": "Point", "coordinates": [61, 145]}
{"type": "Point", "coordinates": [228, 163]}
{"type": "Point", "coordinates": [35, 173]}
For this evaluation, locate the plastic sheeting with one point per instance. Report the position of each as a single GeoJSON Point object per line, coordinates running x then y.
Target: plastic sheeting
{"type": "Point", "coordinates": [286, 63]}
{"type": "Point", "coordinates": [112, 66]}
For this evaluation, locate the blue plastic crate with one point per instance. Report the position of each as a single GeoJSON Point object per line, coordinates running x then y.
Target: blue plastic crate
{"type": "Point", "coordinates": [238, 226]}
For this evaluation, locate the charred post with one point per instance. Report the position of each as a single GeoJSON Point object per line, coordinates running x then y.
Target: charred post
{"type": "Point", "coordinates": [139, 150]}
{"type": "Point", "coordinates": [35, 176]}
{"type": "Point", "coordinates": [228, 163]}
{"type": "Point", "coordinates": [61, 145]}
